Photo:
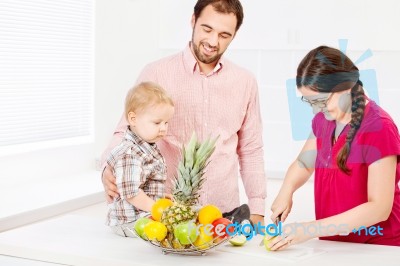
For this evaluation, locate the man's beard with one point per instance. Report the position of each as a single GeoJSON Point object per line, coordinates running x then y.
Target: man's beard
{"type": "Point", "coordinates": [201, 58]}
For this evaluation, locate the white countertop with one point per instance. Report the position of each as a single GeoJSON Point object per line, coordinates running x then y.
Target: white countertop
{"type": "Point", "coordinates": [81, 240]}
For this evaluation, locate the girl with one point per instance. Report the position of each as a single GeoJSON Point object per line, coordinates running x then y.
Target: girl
{"type": "Point", "coordinates": [353, 149]}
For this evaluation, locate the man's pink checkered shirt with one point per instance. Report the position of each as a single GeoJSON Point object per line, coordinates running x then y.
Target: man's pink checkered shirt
{"type": "Point", "coordinates": [226, 103]}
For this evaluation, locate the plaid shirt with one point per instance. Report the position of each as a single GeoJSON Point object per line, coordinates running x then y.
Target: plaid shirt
{"type": "Point", "coordinates": [137, 165]}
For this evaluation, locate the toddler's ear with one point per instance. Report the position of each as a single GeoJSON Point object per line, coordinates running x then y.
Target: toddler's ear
{"type": "Point", "coordinates": [131, 118]}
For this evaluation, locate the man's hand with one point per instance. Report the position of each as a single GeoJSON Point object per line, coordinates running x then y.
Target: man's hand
{"type": "Point", "coordinates": [256, 218]}
{"type": "Point", "coordinates": [109, 184]}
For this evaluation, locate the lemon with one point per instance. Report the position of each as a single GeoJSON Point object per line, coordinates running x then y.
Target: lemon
{"type": "Point", "coordinates": [239, 240]}
{"type": "Point", "coordinates": [155, 231]}
{"type": "Point", "coordinates": [205, 238]}
{"type": "Point", "coordinates": [267, 241]}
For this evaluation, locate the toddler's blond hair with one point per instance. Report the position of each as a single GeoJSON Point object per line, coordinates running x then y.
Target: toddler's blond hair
{"type": "Point", "coordinates": [144, 95]}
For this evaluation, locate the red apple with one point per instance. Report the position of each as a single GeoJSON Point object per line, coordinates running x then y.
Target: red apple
{"type": "Point", "coordinates": [219, 227]}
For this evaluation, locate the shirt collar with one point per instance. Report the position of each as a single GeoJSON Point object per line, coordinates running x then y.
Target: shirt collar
{"type": "Point", "coordinates": [147, 148]}
{"type": "Point", "coordinates": [191, 63]}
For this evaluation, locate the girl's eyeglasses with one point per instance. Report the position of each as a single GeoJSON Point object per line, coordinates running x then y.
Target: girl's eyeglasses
{"type": "Point", "coordinates": [317, 103]}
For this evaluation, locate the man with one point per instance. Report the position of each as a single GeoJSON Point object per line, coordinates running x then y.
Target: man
{"type": "Point", "coordinates": [213, 97]}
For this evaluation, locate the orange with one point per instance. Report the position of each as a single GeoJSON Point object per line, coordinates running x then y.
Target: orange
{"type": "Point", "coordinates": [159, 207]}
{"type": "Point", "coordinates": [209, 214]}
{"type": "Point", "coordinates": [155, 231]}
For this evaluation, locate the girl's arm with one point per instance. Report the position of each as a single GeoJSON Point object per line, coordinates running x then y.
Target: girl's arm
{"type": "Point", "coordinates": [297, 174]}
{"type": "Point", "coordinates": [381, 185]}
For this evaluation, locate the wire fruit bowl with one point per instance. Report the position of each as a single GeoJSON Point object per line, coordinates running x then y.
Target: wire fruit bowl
{"type": "Point", "coordinates": [239, 215]}
{"type": "Point", "coordinates": [190, 249]}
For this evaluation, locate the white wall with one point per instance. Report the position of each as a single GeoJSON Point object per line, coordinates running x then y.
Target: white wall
{"type": "Point", "coordinates": [274, 37]}
{"type": "Point", "coordinates": [127, 38]}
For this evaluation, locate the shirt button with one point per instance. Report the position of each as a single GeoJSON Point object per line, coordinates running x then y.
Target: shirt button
{"type": "Point", "coordinates": [205, 124]}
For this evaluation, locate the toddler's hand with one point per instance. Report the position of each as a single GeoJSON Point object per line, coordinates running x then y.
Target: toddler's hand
{"type": "Point", "coordinates": [169, 196]}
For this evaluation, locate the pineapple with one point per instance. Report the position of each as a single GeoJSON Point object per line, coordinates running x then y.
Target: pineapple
{"type": "Point", "coordinates": [188, 182]}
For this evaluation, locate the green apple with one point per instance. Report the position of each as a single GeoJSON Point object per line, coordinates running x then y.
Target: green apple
{"type": "Point", "coordinates": [239, 240]}
{"type": "Point", "coordinates": [186, 232]}
{"type": "Point", "coordinates": [139, 225]}
{"type": "Point", "coordinates": [267, 240]}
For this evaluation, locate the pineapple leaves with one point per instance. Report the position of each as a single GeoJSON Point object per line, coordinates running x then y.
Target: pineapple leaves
{"type": "Point", "coordinates": [191, 169]}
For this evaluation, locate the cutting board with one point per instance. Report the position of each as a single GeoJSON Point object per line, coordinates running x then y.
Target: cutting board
{"type": "Point", "coordinates": [292, 254]}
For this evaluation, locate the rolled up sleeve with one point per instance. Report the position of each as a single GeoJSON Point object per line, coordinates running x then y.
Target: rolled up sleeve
{"type": "Point", "coordinates": [251, 154]}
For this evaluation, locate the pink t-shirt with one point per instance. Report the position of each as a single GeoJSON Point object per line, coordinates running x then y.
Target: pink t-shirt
{"type": "Point", "coordinates": [336, 192]}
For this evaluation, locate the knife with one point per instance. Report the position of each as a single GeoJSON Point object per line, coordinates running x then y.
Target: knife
{"type": "Point", "coordinates": [277, 220]}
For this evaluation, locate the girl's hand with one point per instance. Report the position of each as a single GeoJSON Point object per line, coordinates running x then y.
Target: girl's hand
{"type": "Point", "coordinates": [281, 206]}
{"type": "Point", "coordinates": [293, 234]}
